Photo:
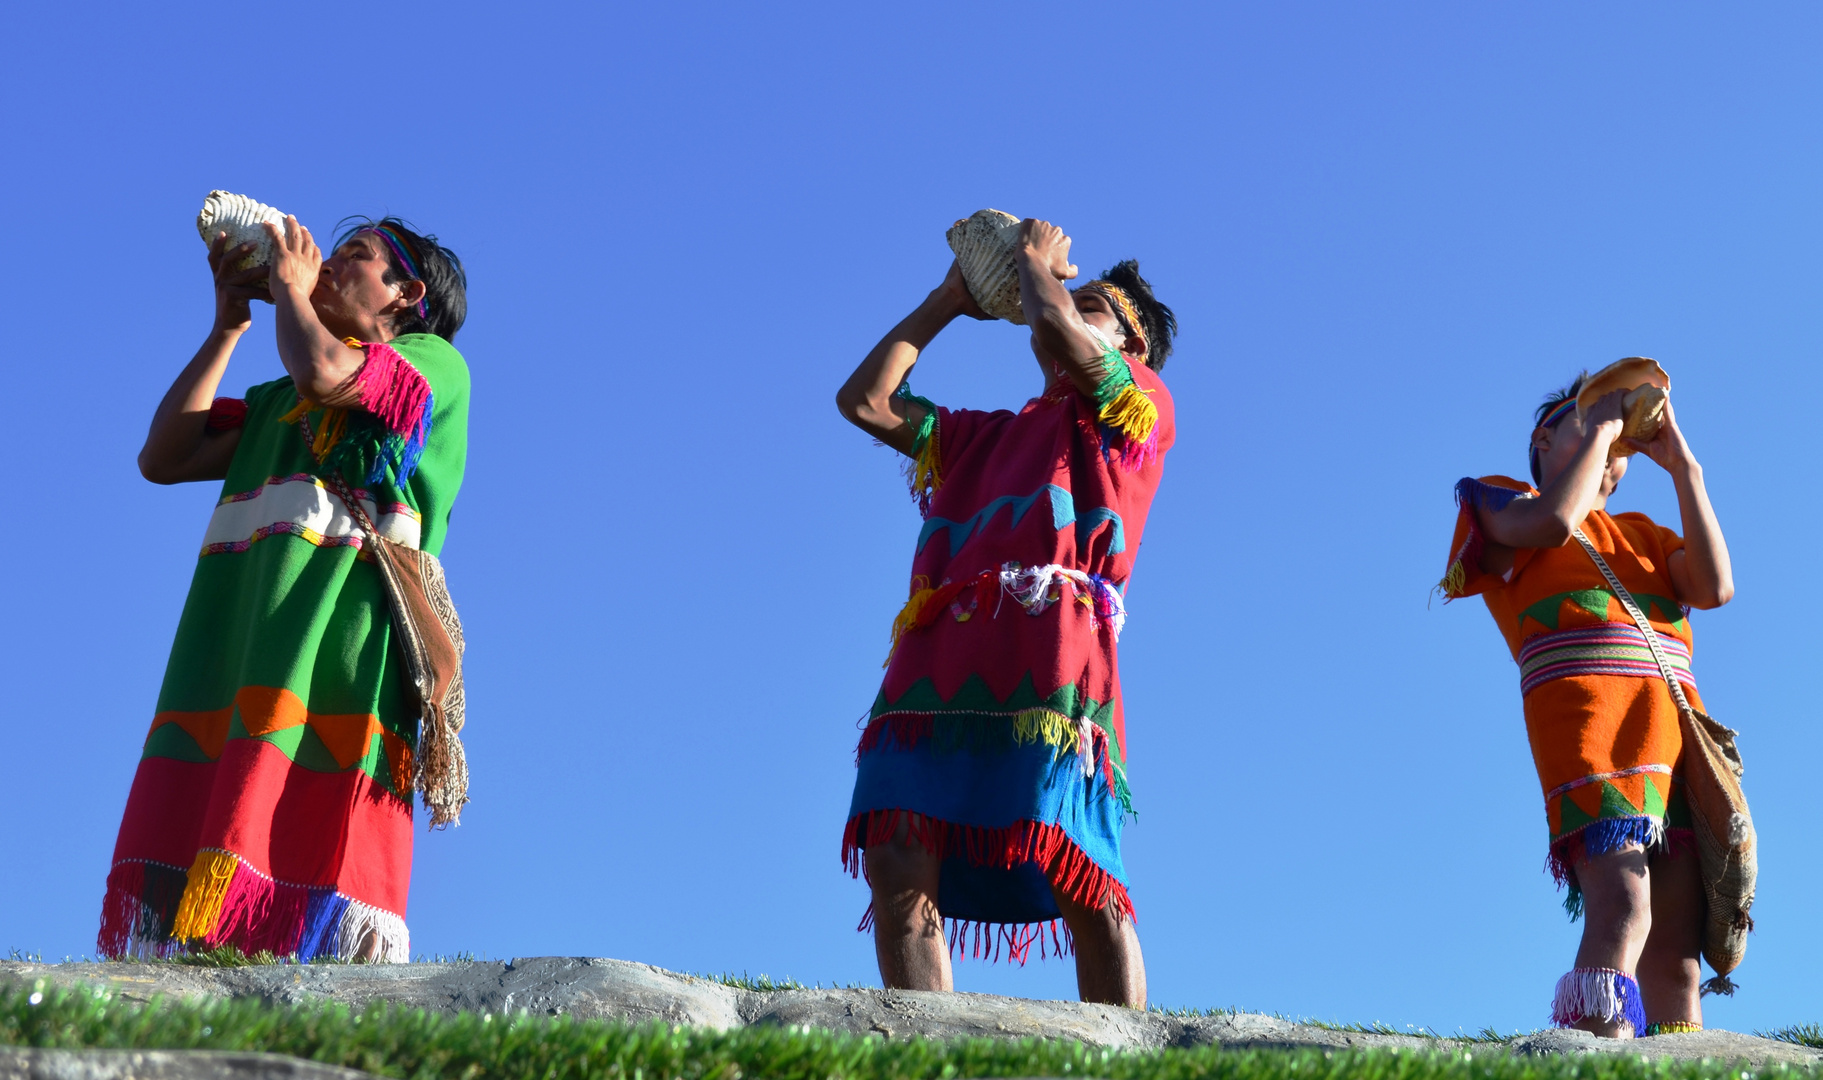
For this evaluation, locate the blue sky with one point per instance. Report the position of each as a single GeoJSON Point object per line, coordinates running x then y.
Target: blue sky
{"type": "Point", "coordinates": [1386, 229]}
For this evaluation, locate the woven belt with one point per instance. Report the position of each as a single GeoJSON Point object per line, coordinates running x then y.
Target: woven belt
{"type": "Point", "coordinates": [1608, 649]}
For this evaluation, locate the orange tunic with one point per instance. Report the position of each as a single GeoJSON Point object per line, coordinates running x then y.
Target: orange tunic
{"type": "Point", "coordinates": [1602, 724]}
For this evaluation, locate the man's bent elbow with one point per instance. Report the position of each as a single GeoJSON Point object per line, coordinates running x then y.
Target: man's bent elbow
{"type": "Point", "coordinates": [156, 471]}
{"type": "Point", "coordinates": [850, 404]}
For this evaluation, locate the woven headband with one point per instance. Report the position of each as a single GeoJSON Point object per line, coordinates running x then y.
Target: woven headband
{"type": "Point", "coordinates": [1550, 420]}
{"type": "Point", "coordinates": [400, 248]}
{"type": "Point", "coordinates": [1123, 308]}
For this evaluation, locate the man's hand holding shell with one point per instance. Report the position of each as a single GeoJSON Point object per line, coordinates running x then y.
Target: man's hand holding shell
{"type": "Point", "coordinates": [296, 260]}
{"type": "Point", "coordinates": [1048, 246]}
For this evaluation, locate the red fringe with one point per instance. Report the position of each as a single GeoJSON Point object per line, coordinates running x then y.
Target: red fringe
{"type": "Point", "coordinates": [1075, 874]}
{"type": "Point", "coordinates": [120, 909]}
{"type": "Point", "coordinates": [989, 938]}
{"type": "Point", "coordinates": [906, 730]}
{"type": "Point", "coordinates": [137, 910]}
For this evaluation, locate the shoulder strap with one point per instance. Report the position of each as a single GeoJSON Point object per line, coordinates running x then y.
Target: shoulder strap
{"type": "Point", "coordinates": [1639, 620]}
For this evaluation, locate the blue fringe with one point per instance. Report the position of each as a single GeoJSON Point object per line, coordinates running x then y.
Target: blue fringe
{"type": "Point", "coordinates": [1631, 1005]}
{"type": "Point", "coordinates": [400, 455]}
{"type": "Point", "coordinates": [1612, 834]}
{"type": "Point", "coordinates": [1604, 837]}
{"type": "Point", "coordinates": [1472, 492]}
{"type": "Point", "coordinates": [322, 918]}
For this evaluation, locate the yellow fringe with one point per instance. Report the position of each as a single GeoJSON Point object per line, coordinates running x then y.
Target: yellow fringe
{"type": "Point", "coordinates": [908, 615]}
{"type": "Point", "coordinates": [1131, 413]}
{"type": "Point", "coordinates": [335, 423]}
{"type": "Point", "coordinates": [201, 908]}
{"type": "Point", "coordinates": [1051, 728]}
{"type": "Point", "coordinates": [926, 475]}
{"type": "Point", "coordinates": [297, 412]}
{"type": "Point", "coordinates": [1455, 579]}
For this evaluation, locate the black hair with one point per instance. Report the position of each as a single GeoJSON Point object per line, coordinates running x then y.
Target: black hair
{"type": "Point", "coordinates": [1159, 323]}
{"type": "Point", "coordinates": [1551, 401]}
{"type": "Point", "coordinates": [439, 268]}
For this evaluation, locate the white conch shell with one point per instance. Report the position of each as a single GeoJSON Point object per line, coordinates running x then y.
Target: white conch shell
{"type": "Point", "coordinates": [241, 218]}
{"type": "Point", "coordinates": [984, 243]}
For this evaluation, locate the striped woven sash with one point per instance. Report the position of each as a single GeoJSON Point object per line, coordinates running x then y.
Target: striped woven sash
{"type": "Point", "coordinates": [1608, 649]}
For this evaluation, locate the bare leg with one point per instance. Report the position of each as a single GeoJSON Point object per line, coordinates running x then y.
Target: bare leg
{"type": "Point", "coordinates": [1669, 968]}
{"type": "Point", "coordinates": [908, 930]}
{"type": "Point", "coordinates": [1617, 917]}
{"type": "Point", "coordinates": [1109, 967]}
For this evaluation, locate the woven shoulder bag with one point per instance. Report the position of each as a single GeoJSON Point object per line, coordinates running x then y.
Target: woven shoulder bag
{"type": "Point", "coordinates": [430, 637]}
{"type": "Point", "coordinates": [1725, 840]}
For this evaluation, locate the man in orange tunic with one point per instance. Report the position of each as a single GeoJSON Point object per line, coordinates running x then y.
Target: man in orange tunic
{"type": "Point", "coordinates": [1602, 724]}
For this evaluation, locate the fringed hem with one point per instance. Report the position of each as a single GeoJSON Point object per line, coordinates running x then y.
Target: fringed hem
{"type": "Point", "coordinates": [153, 909]}
{"type": "Point", "coordinates": [1606, 837]}
{"type": "Point", "coordinates": [1075, 874]}
{"type": "Point", "coordinates": [984, 941]}
{"type": "Point", "coordinates": [1090, 742]}
{"type": "Point", "coordinates": [1605, 994]}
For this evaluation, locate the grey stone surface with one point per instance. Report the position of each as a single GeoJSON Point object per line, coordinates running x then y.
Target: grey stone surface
{"type": "Point", "coordinates": [620, 990]}
{"type": "Point", "coordinates": [1694, 1045]}
{"type": "Point", "coordinates": [28, 1063]}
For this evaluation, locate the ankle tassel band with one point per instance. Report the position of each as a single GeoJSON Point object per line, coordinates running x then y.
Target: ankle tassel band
{"type": "Point", "coordinates": [1605, 994]}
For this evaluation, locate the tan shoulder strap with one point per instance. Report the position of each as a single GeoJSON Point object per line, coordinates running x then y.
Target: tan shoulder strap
{"type": "Point", "coordinates": [1639, 620]}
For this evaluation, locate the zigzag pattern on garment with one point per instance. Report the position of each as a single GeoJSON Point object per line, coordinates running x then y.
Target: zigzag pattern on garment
{"type": "Point", "coordinates": [320, 742]}
{"type": "Point", "coordinates": [1063, 512]}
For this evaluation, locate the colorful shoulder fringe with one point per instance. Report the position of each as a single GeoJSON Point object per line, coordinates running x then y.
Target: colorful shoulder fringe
{"type": "Point", "coordinates": [925, 470]}
{"type": "Point", "coordinates": [1124, 408]}
{"type": "Point", "coordinates": [1472, 494]}
{"type": "Point", "coordinates": [386, 438]}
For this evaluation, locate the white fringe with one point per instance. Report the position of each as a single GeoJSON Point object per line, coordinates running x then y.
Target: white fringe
{"type": "Point", "coordinates": [390, 935]}
{"type": "Point", "coordinates": [1085, 746]}
{"type": "Point", "coordinates": [1036, 588]}
{"type": "Point", "coordinates": [1585, 993]}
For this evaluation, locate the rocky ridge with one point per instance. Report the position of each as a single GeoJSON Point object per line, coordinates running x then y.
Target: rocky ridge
{"type": "Point", "coordinates": [602, 989]}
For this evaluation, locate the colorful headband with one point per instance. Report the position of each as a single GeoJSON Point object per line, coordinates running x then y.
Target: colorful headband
{"type": "Point", "coordinates": [1550, 420]}
{"type": "Point", "coordinates": [400, 248]}
{"type": "Point", "coordinates": [1123, 308]}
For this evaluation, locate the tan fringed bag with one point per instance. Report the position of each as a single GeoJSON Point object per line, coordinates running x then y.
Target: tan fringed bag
{"type": "Point", "coordinates": [430, 636]}
{"type": "Point", "coordinates": [1725, 841]}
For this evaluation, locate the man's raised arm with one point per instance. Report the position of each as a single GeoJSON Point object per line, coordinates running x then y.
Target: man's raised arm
{"type": "Point", "coordinates": [869, 399]}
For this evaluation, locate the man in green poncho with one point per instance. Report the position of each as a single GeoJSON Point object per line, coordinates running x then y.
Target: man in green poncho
{"type": "Point", "coordinates": [272, 805]}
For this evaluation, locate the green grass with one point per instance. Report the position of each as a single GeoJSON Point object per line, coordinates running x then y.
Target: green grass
{"type": "Point", "coordinates": [399, 1042]}
{"type": "Point", "coordinates": [1803, 1034]}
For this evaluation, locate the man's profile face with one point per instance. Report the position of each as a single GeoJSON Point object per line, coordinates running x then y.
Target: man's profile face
{"type": "Point", "coordinates": [1096, 310]}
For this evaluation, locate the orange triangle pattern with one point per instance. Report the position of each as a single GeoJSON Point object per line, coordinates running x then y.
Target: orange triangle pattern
{"type": "Point", "coordinates": [267, 709]}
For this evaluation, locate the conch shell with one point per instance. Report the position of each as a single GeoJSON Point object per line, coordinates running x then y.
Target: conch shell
{"type": "Point", "coordinates": [984, 243]}
{"type": "Point", "coordinates": [1643, 409]}
{"type": "Point", "coordinates": [241, 218]}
